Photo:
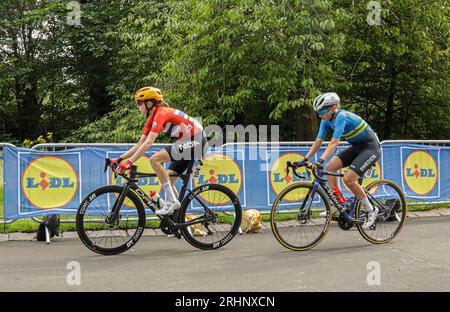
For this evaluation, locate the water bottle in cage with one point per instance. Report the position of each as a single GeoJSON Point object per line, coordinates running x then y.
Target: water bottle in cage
{"type": "Point", "coordinates": [157, 198]}
{"type": "Point", "coordinates": [339, 196]}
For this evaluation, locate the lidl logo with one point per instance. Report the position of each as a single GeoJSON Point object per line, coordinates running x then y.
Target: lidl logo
{"type": "Point", "coordinates": [49, 182]}
{"type": "Point", "coordinates": [220, 169]}
{"type": "Point", "coordinates": [420, 172]}
{"type": "Point", "coordinates": [279, 179]}
{"type": "Point", "coordinates": [147, 184]}
{"type": "Point", "coordinates": [374, 174]}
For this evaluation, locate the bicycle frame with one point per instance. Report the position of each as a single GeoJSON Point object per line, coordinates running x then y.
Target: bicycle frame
{"type": "Point", "coordinates": [322, 183]}
{"type": "Point", "coordinates": [348, 215]}
{"type": "Point", "coordinates": [152, 205]}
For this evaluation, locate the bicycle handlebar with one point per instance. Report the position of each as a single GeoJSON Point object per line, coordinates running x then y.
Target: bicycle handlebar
{"type": "Point", "coordinates": [316, 172]}
{"type": "Point", "coordinates": [114, 167]}
{"type": "Point", "coordinates": [132, 170]}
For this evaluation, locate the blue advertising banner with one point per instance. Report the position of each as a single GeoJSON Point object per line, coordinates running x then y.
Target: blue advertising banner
{"type": "Point", "coordinates": [37, 182]}
{"type": "Point", "coordinates": [41, 182]}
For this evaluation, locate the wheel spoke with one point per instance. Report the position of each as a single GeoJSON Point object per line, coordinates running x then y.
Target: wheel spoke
{"type": "Point", "coordinates": [208, 234]}
{"type": "Point", "coordinates": [109, 238]}
{"type": "Point", "coordinates": [392, 212]}
{"type": "Point", "coordinates": [291, 232]}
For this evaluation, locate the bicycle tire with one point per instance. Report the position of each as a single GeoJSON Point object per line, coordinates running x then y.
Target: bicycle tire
{"type": "Point", "coordinates": [369, 234]}
{"type": "Point", "coordinates": [277, 226]}
{"type": "Point", "coordinates": [88, 208]}
{"type": "Point", "coordinates": [194, 234]}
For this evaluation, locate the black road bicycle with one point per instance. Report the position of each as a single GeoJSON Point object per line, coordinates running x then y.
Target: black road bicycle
{"type": "Point", "coordinates": [111, 219]}
{"type": "Point", "coordinates": [296, 222]}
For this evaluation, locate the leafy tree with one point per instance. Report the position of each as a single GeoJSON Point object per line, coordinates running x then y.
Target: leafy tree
{"type": "Point", "coordinates": [398, 70]}
{"type": "Point", "coordinates": [22, 43]}
{"type": "Point", "coordinates": [265, 60]}
{"type": "Point", "coordinates": [229, 61]}
{"type": "Point", "coordinates": [232, 61]}
{"type": "Point", "coordinates": [93, 44]}
{"type": "Point", "coordinates": [58, 72]}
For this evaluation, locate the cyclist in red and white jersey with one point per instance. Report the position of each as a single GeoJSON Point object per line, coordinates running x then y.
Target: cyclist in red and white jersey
{"type": "Point", "coordinates": [191, 142]}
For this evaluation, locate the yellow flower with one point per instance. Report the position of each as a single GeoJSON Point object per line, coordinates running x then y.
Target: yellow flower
{"type": "Point", "coordinates": [28, 143]}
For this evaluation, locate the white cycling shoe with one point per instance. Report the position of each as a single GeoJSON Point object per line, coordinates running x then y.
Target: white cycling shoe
{"type": "Point", "coordinates": [324, 213]}
{"type": "Point", "coordinates": [169, 208]}
{"type": "Point", "coordinates": [370, 219]}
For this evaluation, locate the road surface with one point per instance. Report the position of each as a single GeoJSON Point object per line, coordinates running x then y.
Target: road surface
{"type": "Point", "coordinates": [417, 260]}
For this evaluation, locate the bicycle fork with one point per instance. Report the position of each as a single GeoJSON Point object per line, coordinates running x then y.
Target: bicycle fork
{"type": "Point", "coordinates": [113, 217]}
{"type": "Point", "coordinates": [305, 214]}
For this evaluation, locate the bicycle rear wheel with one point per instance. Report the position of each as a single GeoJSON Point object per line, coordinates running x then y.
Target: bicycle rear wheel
{"type": "Point", "coordinates": [294, 225]}
{"type": "Point", "coordinates": [110, 239]}
{"type": "Point", "coordinates": [392, 210]}
{"type": "Point", "coordinates": [214, 219]}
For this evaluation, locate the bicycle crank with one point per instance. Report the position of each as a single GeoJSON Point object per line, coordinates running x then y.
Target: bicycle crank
{"type": "Point", "coordinates": [166, 225]}
{"type": "Point", "coordinates": [344, 224]}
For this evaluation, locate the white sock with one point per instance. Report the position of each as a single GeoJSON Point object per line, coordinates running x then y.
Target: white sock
{"type": "Point", "coordinates": [365, 201]}
{"type": "Point", "coordinates": [169, 192]}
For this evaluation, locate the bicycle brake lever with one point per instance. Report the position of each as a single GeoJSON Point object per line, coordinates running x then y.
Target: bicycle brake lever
{"type": "Point", "coordinates": [288, 165]}
{"type": "Point", "coordinates": [107, 162]}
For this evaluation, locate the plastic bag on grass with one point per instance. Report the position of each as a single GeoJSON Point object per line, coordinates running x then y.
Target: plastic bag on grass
{"type": "Point", "coordinates": [251, 221]}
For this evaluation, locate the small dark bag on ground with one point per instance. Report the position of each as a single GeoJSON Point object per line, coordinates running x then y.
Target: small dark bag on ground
{"type": "Point", "coordinates": [52, 224]}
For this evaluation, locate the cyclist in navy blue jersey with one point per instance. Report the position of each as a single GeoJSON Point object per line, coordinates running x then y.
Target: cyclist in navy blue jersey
{"type": "Point", "coordinates": [360, 156]}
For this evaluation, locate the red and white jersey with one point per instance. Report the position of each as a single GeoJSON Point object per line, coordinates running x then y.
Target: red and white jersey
{"type": "Point", "coordinates": [172, 122]}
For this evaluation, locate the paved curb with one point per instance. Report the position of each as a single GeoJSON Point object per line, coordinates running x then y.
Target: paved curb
{"type": "Point", "coordinates": [430, 213]}
{"type": "Point", "coordinates": [18, 236]}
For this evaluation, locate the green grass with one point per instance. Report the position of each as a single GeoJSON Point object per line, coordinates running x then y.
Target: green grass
{"type": "Point", "coordinates": [427, 207]}
{"type": "Point", "coordinates": [22, 225]}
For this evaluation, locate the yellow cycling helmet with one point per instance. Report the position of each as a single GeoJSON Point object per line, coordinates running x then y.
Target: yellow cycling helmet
{"type": "Point", "coordinates": [148, 93]}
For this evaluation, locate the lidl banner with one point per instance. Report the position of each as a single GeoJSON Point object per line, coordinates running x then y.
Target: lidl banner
{"type": "Point", "coordinates": [1, 169]}
{"type": "Point", "coordinates": [37, 182]}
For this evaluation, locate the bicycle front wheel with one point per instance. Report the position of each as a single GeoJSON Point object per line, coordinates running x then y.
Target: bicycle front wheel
{"type": "Point", "coordinates": [104, 237]}
{"type": "Point", "coordinates": [214, 216]}
{"type": "Point", "coordinates": [295, 217]}
{"type": "Point", "coordinates": [391, 203]}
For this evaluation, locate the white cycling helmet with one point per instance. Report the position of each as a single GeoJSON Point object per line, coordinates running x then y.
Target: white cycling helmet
{"type": "Point", "coordinates": [325, 100]}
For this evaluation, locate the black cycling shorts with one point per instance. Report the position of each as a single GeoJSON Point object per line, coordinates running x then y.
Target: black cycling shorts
{"type": "Point", "coordinates": [360, 157]}
{"type": "Point", "coordinates": [185, 150]}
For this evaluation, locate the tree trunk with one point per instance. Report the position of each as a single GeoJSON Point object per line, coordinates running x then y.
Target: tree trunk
{"type": "Point", "coordinates": [28, 108]}
{"type": "Point", "coordinates": [94, 71]}
{"type": "Point", "coordinates": [389, 112]}
{"type": "Point", "coordinates": [306, 126]}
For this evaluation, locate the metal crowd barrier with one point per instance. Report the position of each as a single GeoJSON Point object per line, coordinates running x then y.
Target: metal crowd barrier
{"type": "Point", "coordinates": [63, 146]}
{"type": "Point", "coordinates": [306, 143]}
{"type": "Point", "coordinates": [428, 142]}
{"type": "Point", "coordinates": [417, 141]}
{"type": "Point", "coordinates": [3, 222]}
